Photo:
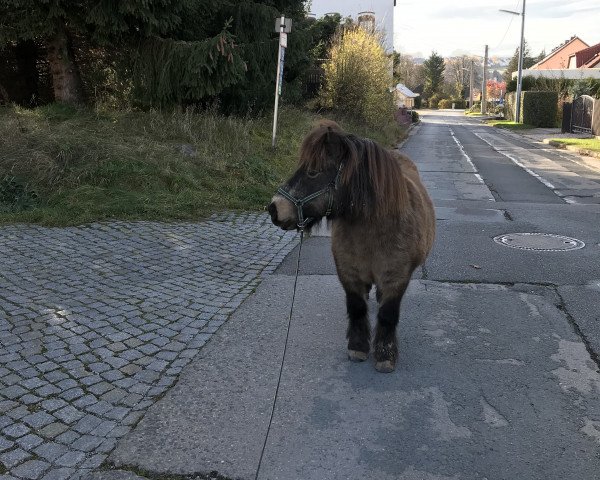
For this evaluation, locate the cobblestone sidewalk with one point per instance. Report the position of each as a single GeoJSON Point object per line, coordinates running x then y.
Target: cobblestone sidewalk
{"type": "Point", "coordinates": [96, 323]}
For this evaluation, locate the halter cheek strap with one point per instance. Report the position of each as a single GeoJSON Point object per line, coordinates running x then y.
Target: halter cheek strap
{"type": "Point", "coordinates": [299, 203]}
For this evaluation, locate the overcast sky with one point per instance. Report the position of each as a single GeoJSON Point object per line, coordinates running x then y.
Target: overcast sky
{"type": "Point", "coordinates": [455, 27]}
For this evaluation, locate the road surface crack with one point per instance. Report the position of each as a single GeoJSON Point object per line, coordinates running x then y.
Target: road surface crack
{"type": "Point", "coordinates": [561, 305]}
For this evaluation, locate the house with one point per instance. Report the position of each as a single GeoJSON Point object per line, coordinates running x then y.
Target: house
{"type": "Point", "coordinates": [559, 57]}
{"type": "Point", "coordinates": [404, 97]}
{"type": "Point", "coordinates": [574, 60]}
{"type": "Point", "coordinates": [586, 58]}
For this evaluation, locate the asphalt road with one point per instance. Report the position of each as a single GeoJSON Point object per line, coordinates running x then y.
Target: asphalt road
{"type": "Point", "coordinates": [498, 376]}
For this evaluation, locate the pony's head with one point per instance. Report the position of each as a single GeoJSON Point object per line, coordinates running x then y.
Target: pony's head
{"type": "Point", "coordinates": [310, 193]}
{"type": "Point", "coordinates": [338, 175]}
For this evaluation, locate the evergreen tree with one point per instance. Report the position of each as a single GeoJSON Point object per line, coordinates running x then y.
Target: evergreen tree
{"type": "Point", "coordinates": [528, 61]}
{"type": "Point", "coordinates": [434, 74]}
{"type": "Point", "coordinates": [56, 24]}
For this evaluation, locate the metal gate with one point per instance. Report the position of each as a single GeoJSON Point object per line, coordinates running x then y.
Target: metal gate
{"type": "Point", "coordinates": [581, 114]}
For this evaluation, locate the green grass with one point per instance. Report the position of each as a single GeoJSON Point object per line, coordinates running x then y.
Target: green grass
{"type": "Point", "coordinates": [62, 166]}
{"type": "Point", "coordinates": [592, 144]}
{"type": "Point", "coordinates": [508, 125]}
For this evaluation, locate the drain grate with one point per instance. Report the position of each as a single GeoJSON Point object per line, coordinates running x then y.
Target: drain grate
{"type": "Point", "coordinates": [539, 242]}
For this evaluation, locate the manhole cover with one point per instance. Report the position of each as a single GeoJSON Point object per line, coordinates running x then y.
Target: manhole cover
{"type": "Point", "coordinates": [539, 242]}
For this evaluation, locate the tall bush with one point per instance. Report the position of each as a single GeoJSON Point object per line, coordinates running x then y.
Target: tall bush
{"type": "Point", "coordinates": [358, 77]}
{"type": "Point", "coordinates": [539, 108]}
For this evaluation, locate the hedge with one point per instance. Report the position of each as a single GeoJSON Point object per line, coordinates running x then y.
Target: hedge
{"type": "Point", "coordinates": [447, 103]}
{"type": "Point", "coordinates": [539, 109]}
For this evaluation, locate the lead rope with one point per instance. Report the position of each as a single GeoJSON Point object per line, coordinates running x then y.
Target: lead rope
{"type": "Point", "coordinates": [287, 336]}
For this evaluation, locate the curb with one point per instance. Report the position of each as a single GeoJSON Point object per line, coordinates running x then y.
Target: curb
{"type": "Point", "coordinates": [414, 127]}
{"type": "Point", "coordinates": [588, 158]}
{"type": "Point", "coordinates": [579, 150]}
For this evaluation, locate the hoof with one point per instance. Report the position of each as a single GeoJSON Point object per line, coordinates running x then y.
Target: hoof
{"type": "Point", "coordinates": [357, 356]}
{"type": "Point", "coordinates": [386, 366]}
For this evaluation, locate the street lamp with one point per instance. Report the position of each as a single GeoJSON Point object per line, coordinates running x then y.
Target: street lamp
{"type": "Point", "coordinates": [520, 72]}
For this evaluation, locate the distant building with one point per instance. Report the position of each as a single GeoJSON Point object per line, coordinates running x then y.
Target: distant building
{"type": "Point", "coordinates": [586, 58]}
{"type": "Point", "coordinates": [366, 20]}
{"type": "Point", "coordinates": [377, 14]}
{"type": "Point", "coordinates": [404, 97]}
{"type": "Point", "coordinates": [559, 56]}
{"type": "Point", "coordinates": [573, 59]}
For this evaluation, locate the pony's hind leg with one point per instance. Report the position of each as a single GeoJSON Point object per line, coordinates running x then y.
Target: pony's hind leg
{"type": "Point", "coordinates": [359, 331]}
{"type": "Point", "coordinates": [385, 345]}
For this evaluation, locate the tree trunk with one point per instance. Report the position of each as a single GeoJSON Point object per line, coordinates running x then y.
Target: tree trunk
{"type": "Point", "coordinates": [28, 91]}
{"type": "Point", "coordinates": [4, 98]}
{"type": "Point", "coordinates": [66, 81]}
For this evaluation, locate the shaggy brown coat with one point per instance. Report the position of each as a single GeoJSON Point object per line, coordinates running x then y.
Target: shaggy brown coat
{"type": "Point", "coordinates": [383, 226]}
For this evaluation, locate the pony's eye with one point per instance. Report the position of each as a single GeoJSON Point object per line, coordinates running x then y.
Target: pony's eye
{"type": "Point", "coordinates": [313, 173]}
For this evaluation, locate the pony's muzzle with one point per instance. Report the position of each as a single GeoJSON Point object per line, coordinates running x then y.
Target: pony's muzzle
{"type": "Point", "coordinates": [282, 213]}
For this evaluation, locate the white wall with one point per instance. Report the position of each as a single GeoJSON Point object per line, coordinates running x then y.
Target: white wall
{"type": "Point", "coordinates": [571, 74]}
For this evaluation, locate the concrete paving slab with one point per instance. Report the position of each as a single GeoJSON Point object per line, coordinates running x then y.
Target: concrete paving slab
{"type": "Point", "coordinates": [216, 417]}
{"type": "Point", "coordinates": [483, 390]}
{"type": "Point", "coordinates": [492, 383]}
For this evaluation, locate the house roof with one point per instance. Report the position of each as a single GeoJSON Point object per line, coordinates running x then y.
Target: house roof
{"type": "Point", "coordinates": [558, 49]}
{"type": "Point", "coordinates": [407, 92]}
{"type": "Point", "coordinates": [588, 57]}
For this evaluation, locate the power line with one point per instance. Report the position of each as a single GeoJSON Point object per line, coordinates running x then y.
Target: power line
{"type": "Point", "coordinates": [512, 17]}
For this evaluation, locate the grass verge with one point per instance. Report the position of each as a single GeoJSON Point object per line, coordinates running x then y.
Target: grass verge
{"type": "Point", "coordinates": [508, 125]}
{"type": "Point", "coordinates": [63, 166]}
{"type": "Point", "coordinates": [592, 144]}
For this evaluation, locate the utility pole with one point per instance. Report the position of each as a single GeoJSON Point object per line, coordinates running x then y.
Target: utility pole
{"type": "Point", "coordinates": [471, 81]}
{"type": "Point", "coordinates": [484, 83]}
{"type": "Point", "coordinates": [520, 68]}
{"type": "Point", "coordinates": [520, 74]}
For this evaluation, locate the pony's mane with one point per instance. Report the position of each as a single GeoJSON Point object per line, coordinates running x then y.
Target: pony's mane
{"type": "Point", "coordinates": [372, 183]}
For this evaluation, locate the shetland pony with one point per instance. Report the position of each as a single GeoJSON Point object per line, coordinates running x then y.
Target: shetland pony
{"type": "Point", "coordinates": [382, 222]}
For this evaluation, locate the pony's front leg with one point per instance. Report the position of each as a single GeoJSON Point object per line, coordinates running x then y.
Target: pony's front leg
{"type": "Point", "coordinates": [385, 346]}
{"type": "Point", "coordinates": [359, 331]}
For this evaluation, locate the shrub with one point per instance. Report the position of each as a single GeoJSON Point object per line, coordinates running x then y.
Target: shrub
{"type": "Point", "coordinates": [357, 77]}
{"type": "Point", "coordinates": [418, 102]}
{"type": "Point", "coordinates": [445, 103]}
{"type": "Point", "coordinates": [587, 86]}
{"type": "Point", "coordinates": [448, 102]}
{"type": "Point", "coordinates": [415, 116]}
{"type": "Point", "coordinates": [509, 106]}
{"type": "Point", "coordinates": [15, 195]}
{"type": "Point", "coordinates": [433, 101]}
{"type": "Point", "coordinates": [539, 108]}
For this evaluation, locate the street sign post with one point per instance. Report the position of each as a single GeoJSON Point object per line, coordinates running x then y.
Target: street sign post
{"type": "Point", "coordinates": [283, 26]}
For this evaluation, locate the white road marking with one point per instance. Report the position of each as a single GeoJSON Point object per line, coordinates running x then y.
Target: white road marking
{"type": "Point", "coordinates": [462, 149]}
{"type": "Point", "coordinates": [518, 163]}
{"type": "Point", "coordinates": [468, 159]}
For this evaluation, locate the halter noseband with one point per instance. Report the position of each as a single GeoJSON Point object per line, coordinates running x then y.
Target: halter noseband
{"type": "Point", "coordinates": [299, 203]}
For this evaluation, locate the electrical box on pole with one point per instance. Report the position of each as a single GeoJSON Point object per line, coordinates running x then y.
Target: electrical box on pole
{"type": "Point", "coordinates": [283, 26]}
